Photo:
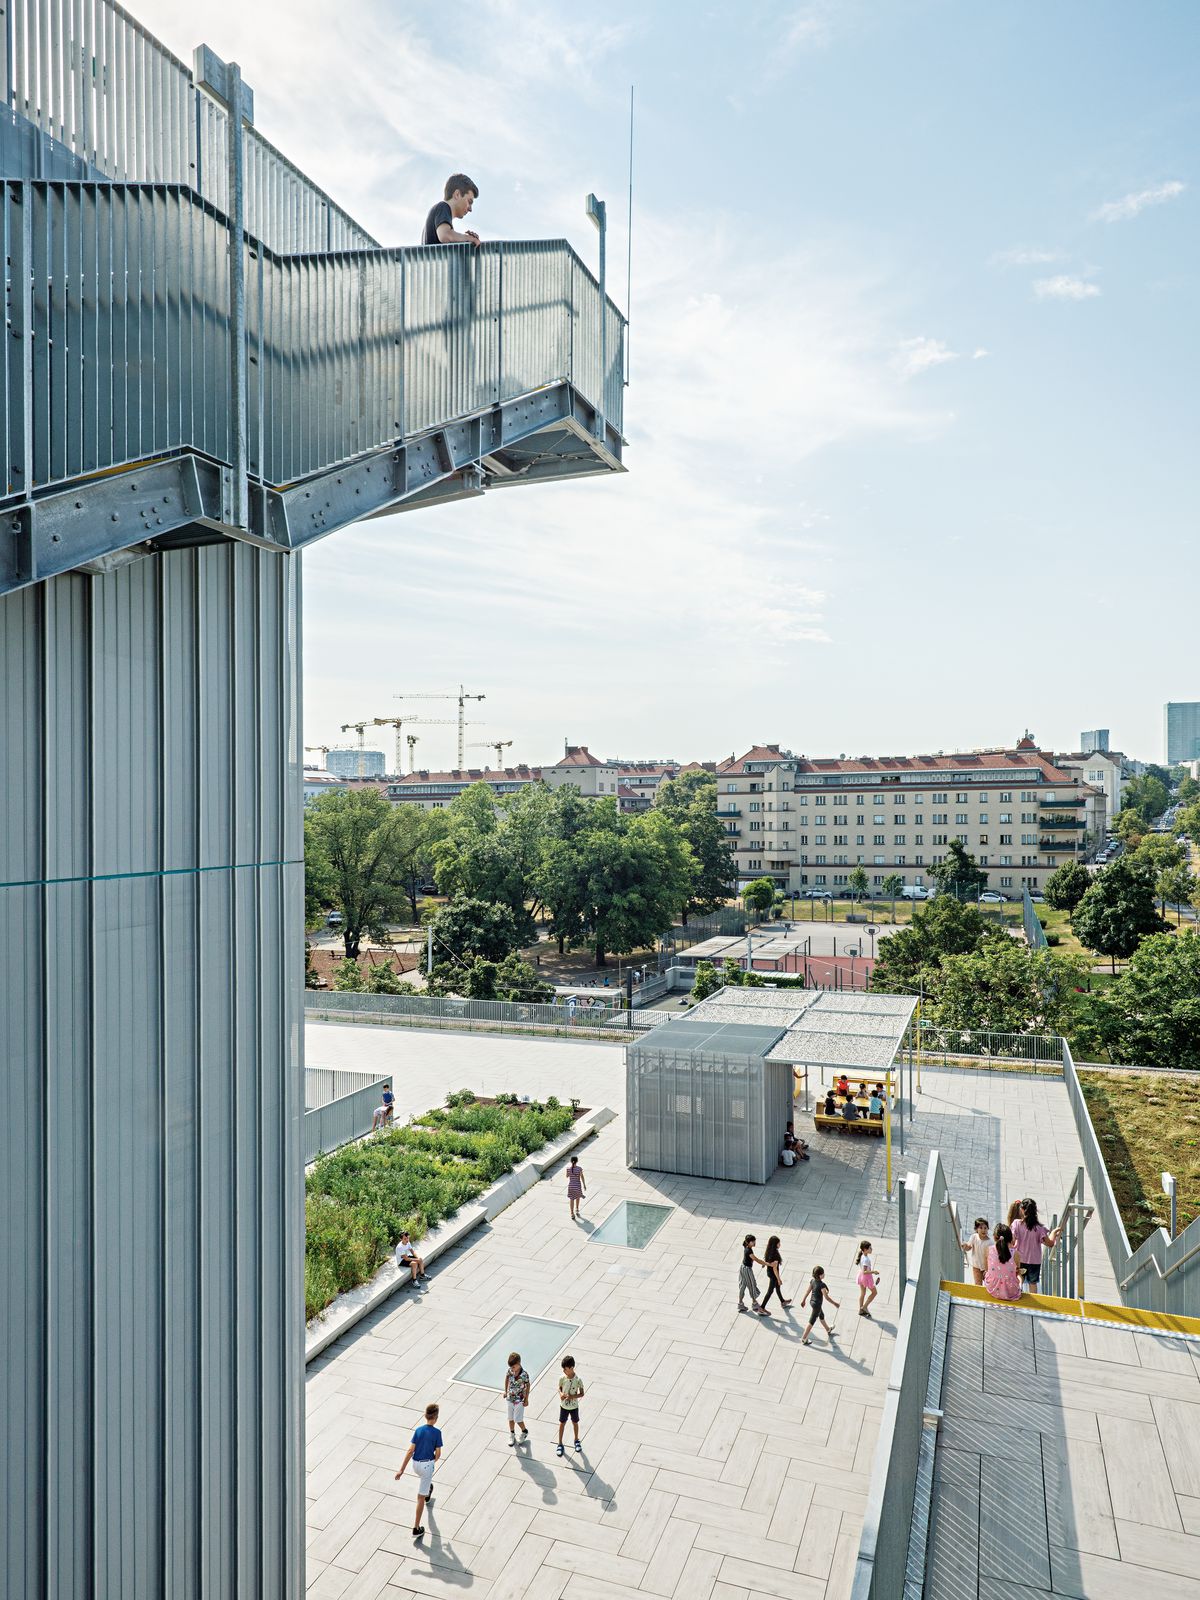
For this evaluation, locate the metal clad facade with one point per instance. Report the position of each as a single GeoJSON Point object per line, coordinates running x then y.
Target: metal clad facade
{"type": "Point", "coordinates": [151, 902]}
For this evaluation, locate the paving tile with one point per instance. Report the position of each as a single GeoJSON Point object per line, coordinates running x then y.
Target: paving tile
{"type": "Point", "coordinates": [595, 1564]}
{"type": "Point", "coordinates": [1079, 1511]}
{"type": "Point", "coordinates": [763, 1580]}
{"type": "Point", "coordinates": [665, 1569]}
{"type": "Point", "coordinates": [1134, 1460]}
{"type": "Point", "coordinates": [1168, 1355]}
{"type": "Point", "coordinates": [1179, 1430]}
{"type": "Point", "coordinates": [1086, 1577]}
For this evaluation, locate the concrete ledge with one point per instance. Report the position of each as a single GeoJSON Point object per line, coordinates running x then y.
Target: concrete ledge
{"type": "Point", "coordinates": [355, 1304]}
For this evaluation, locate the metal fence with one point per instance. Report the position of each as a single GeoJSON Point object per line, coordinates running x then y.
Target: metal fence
{"type": "Point", "coordinates": [1162, 1274]}
{"type": "Point", "coordinates": [1063, 1267]}
{"type": "Point", "coordinates": [118, 352]}
{"type": "Point", "coordinates": [1045, 1051]}
{"type": "Point", "coordinates": [1035, 934]}
{"type": "Point", "coordinates": [513, 1014]}
{"type": "Point", "coordinates": [128, 109]}
{"type": "Point", "coordinates": [330, 1126]}
{"type": "Point", "coordinates": [936, 1254]}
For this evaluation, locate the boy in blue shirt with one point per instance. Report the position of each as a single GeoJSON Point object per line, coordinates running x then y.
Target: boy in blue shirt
{"type": "Point", "coordinates": [424, 1451]}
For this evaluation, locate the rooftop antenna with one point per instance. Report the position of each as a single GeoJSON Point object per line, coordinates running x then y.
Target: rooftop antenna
{"type": "Point", "coordinates": [629, 240]}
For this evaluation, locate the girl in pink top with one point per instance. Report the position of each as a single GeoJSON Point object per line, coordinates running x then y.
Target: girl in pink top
{"type": "Point", "coordinates": [1000, 1279]}
{"type": "Point", "coordinates": [1029, 1235]}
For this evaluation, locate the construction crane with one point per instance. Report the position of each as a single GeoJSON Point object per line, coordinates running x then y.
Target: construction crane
{"type": "Point", "coordinates": [361, 729]}
{"type": "Point", "coordinates": [462, 697]}
{"type": "Point", "coordinates": [412, 751]}
{"type": "Point", "coordinates": [410, 722]}
{"type": "Point", "coordinates": [323, 748]}
{"type": "Point", "coordinates": [498, 745]}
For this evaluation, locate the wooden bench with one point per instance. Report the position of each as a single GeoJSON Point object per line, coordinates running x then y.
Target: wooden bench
{"type": "Point", "coordinates": [839, 1124]}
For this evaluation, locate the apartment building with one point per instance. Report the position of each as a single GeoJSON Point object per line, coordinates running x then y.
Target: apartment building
{"type": "Point", "coordinates": [587, 772]}
{"type": "Point", "coordinates": [1103, 770]}
{"type": "Point", "coordinates": [808, 823]}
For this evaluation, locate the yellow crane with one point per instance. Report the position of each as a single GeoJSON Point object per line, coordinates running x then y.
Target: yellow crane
{"type": "Point", "coordinates": [323, 748]}
{"type": "Point", "coordinates": [498, 745]}
{"type": "Point", "coordinates": [462, 697]}
{"type": "Point", "coordinates": [360, 728]}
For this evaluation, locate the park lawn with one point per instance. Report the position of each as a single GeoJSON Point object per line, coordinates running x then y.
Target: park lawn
{"type": "Point", "coordinates": [879, 912]}
{"type": "Point", "coordinates": [1059, 922]}
{"type": "Point", "coordinates": [359, 1199]}
{"type": "Point", "coordinates": [1147, 1123]}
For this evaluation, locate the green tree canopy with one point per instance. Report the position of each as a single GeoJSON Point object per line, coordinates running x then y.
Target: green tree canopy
{"type": "Point", "coordinates": [1130, 827]}
{"type": "Point", "coordinates": [1188, 790]}
{"type": "Point", "coordinates": [1007, 987]}
{"type": "Point", "coordinates": [1118, 911]}
{"type": "Point", "coordinates": [347, 976]}
{"type": "Point", "coordinates": [858, 883]}
{"type": "Point", "coordinates": [1153, 1009]}
{"type": "Point", "coordinates": [1067, 887]}
{"type": "Point", "coordinates": [383, 979]}
{"type": "Point", "coordinates": [1147, 795]}
{"type": "Point", "coordinates": [465, 928]}
{"type": "Point", "coordinates": [1188, 821]}
{"type": "Point", "coordinates": [355, 845]}
{"type": "Point", "coordinates": [958, 873]}
{"type": "Point", "coordinates": [759, 895]}
{"type": "Point", "coordinates": [911, 958]}
{"type": "Point", "coordinates": [891, 886]}
{"type": "Point", "coordinates": [1158, 851]}
{"type": "Point", "coordinates": [490, 852]}
{"type": "Point", "coordinates": [707, 982]}
{"type": "Point", "coordinates": [690, 801]}
{"type": "Point", "coordinates": [1175, 886]}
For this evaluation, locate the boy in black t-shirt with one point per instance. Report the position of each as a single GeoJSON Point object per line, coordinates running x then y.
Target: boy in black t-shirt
{"type": "Point", "coordinates": [459, 196]}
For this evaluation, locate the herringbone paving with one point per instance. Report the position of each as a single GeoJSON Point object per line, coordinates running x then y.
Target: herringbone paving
{"type": "Point", "coordinates": [722, 1460]}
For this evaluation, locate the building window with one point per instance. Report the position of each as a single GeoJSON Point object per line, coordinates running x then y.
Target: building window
{"type": "Point", "coordinates": [860, 838]}
{"type": "Point", "coordinates": [879, 838]}
{"type": "Point", "coordinates": [939, 838]}
{"type": "Point", "coordinates": [1006, 797]}
{"type": "Point", "coordinates": [819, 800]}
{"type": "Point", "coordinates": [1005, 816]}
{"type": "Point", "coordinates": [939, 799]}
{"type": "Point", "coordinates": [819, 838]}
{"type": "Point", "coordinates": [982, 798]}
{"type": "Point", "coordinates": [918, 838]}
{"type": "Point", "coordinates": [841, 799]}
{"type": "Point", "coordinates": [961, 797]}
{"type": "Point", "coordinates": [820, 860]}
{"type": "Point", "coordinates": [983, 838]}
{"type": "Point", "coordinates": [1006, 861]}
{"type": "Point", "coordinates": [983, 819]}
{"type": "Point", "coordinates": [841, 838]}
{"type": "Point", "coordinates": [878, 818]}
{"type": "Point", "coordinates": [898, 799]}
{"type": "Point", "coordinates": [940, 818]}
{"type": "Point", "coordinates": [961, 819]}
{"type": "Point", "coordinates": [803, 838]}
{"type": "Point", "coordinates": [1006, 838]}
{"type": "Point", "coordinates": [918, 819]}
{"type": "Point", "coordinates": [803, 799]}
{"type": "Point", "coordinates": [899, 839]}
{"type": "Point", "coordinates": [756, 805]}
{"type": "Point", "coordinates": [819, 877]}
{"type": "Point", "coordinates": [880, 861]}
{"type": "Point", "coordinates": [1029, 838]}
{"type": "Point", "coordinates": [1029, 816]}
{"type": "Point", "coordinates": [920, 860]}
{"type": "Point", "coordinates": [859, 820]}
{"type": "Point", "coordinates": [961, 837]}
{"type": "Point", "coordinates": [900, 860]}
{"type": "Point", "coordinates": [1006, 881]}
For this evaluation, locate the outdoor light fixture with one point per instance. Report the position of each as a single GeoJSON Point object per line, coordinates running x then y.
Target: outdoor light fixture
{"type": "Point", "coordinates": [1168, 1188]}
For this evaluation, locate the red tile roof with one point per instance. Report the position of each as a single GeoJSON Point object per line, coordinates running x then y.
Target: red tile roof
{"type": "Point", "coordinates": [578, 755]}
{"type": "Point", "coordinates": [1026, 757]}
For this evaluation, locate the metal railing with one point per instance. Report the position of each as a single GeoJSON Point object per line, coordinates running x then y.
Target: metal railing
{"type": "Point", "coordinates": [323, 1084]}
{"type": "Point", "coordinates": [1063, 1266]}
{"type": "Point", "coordinates": [330, 1126]}
{"type": "Point", "coordinates": [1162, 1274]}
{"type": "Point", "coordinates": [128, 109]}
{"type": "Point", "coordinates": [119, 337]}
{"type": "Point", "coordinates": [980, 1045]}
{"type": "Point", "coordinates": [1035, 934]}
{"type": "Point", "coordinates": [512, 1013]}
{"type": "Point", "coordinates": [936, 1254]}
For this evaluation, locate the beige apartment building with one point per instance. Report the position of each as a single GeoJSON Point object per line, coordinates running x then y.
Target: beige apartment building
{"type": "Point", "coordinates": [809, 823]}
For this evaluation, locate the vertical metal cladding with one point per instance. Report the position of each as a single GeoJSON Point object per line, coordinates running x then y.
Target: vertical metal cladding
{"type": "Point", "coordinates": [150, 1111]}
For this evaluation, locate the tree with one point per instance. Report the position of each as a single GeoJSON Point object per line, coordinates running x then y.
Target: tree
{"type": "Point", "coordinates": [707, 981]}
{"type": "Point", "coordinates": [1154, 1006]}
{"type": "Point", "coordinates": [1130, 827]}
{"type": "Point", "coordinates": [491, 852]}
{"type": "Point", "coordinates": [518, 979]}
{"type": "Point", "coordinates": [1067, 887]}
{"type": "Point", "coordinates": [1148, 795]}
{"type": "Point", "coordinates": [382, 979]}
{"type": "Point", "coordinates": [347, 975]}
{"type": "Point", "coordinates": [1008, 988]}
{"type": "Point", "coordinates": [354, 843]}
{"type": "Point", "coordinates": [858, 883]}
{"type": "Point", "coordinates": [690, 800]}
{"type": "Point", "coordinates": [466, 928]}
{"type": "Point", "coordinates": [637, 879]}
{"type": "Point", "coordinates": [1118, 911]}
{"type": "Point", "coordinates": [910, 959]}
{"type": "Point", "coordinates": [417, 832]}
{"type": "Point", "coordinates": [959, 874]}
{"type": "Point", "coordinates": [1176, 887]}
{"type": "Point", "coordinates": [891, 886]}
{"type": "Point", "coordinates": [1159, 851]}
{"type": "Point", "coordinates": [1188, 821]}
{"type": "Point", "coordinates": [1188, 790]}
{"type": "Point", "coordinates": [759, 895]}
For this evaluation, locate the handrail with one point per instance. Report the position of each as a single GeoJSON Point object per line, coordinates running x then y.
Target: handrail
{"type": "Point", "coordinates": [1153, 1260]}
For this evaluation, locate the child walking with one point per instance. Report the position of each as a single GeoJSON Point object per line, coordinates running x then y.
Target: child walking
{"type": "Point", "coordinates": [424, 1452]}
{"type": "Point", "coordinates": [976, 1249]}
{"type": "Point", "coordinates": [516, 1395]}
{"type": "Point", "coordinates": [1001, 1280]}
{"type": "Point", "coordinates": [570, 1392]}
{"type": "Point", "coordinates": [868, 1278]}
{"type": "Point", "coordinates": [747, 1282]}
{"type": "Point", "coordinates": [576, 1188]}
{"type": "Point", "coordinates": [819, 1294]}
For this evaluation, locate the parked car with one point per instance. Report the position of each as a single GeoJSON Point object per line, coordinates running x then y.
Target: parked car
{"type": "Point", "coordinates": [335, 919]}
{"type": "Point", "coordinates": [916, 891]}
{"type": "Point", "coordinates": [1036, 895]}
{"type": "Point", "coordinates": [992, 897]}
{"type": "Point", "coordinates": [818, 894]}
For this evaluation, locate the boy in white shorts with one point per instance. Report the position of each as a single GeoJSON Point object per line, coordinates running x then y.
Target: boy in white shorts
{"type": "Point", "coordinates": [516, 1395]}
{"type": "Point", "coordinates": [424, 1452]}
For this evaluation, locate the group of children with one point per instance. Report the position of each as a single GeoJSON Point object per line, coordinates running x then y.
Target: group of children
{"type": "Point", "coordinates": [875, 1098]}
{"type": "Point", "coordinates": [814, 1296]}
{"type": "Point", "coordinates": [1010, 1262]}
{"type": "Point", "coordinates": [425, 1449]}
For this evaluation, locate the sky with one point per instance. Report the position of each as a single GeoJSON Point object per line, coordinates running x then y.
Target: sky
{"type": "Point", "coordinates": [913, 408]}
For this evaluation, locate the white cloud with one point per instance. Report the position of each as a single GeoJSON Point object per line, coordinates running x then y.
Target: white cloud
{"type": "Point", "coordinates": [1026, 256]}
{"type": "Point", "coordinates": [980, 354]}
{"type": "Point", "coordinates": [914, 356]}
{"type": "Point", "coordinates": [807, 27]}
{"type": "Point", "coordinates": [1065, 287]}
{"type": "Point", "coordinates": [1130, 205]}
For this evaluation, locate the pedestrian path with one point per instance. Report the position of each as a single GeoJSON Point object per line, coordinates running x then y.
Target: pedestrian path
{"type": "Point", "coordinates": [1068, 1460]}
{"type": "Point", "coordinates": [722, 1460]}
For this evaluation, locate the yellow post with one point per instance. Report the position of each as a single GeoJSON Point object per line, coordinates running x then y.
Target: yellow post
{"type": "Point", "coordinates": [887, 1128]}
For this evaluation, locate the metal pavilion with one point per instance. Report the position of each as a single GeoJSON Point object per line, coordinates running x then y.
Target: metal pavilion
{"type": "Point", "coordinates": [209, 364]}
